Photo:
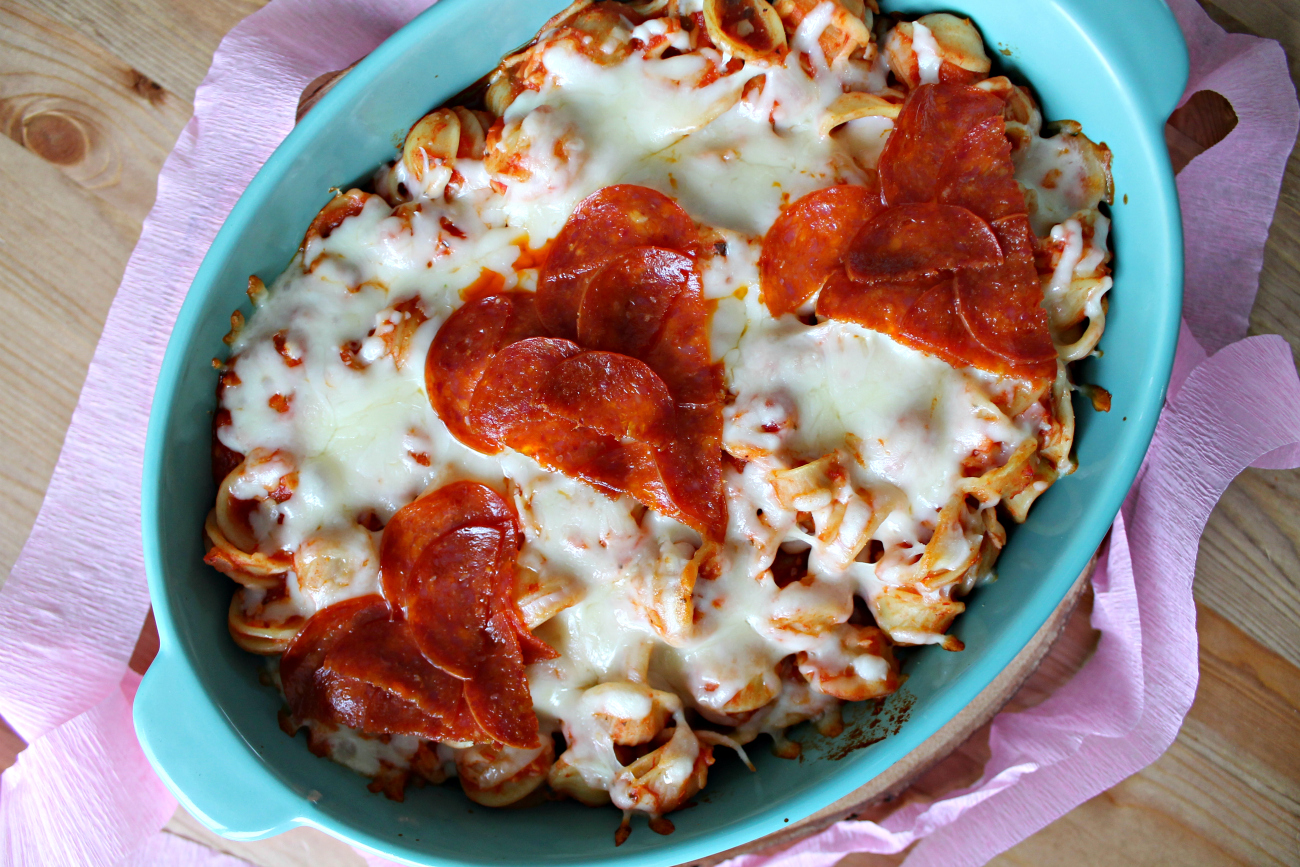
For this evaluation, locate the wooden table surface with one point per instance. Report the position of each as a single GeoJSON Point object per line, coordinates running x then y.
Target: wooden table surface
{"type": "Point", "coordinates": [93, 94]}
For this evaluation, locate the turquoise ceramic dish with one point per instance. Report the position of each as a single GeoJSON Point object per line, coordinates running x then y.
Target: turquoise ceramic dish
{"type": "Point", "coordinates": [209, 727]}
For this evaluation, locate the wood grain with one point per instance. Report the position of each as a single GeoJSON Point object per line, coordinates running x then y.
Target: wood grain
{"type": "Point", "coordinates": [172, 42]}
{"type": "Point", "coordinates": [301, 847]}
{"type": "Point", "coordinates": [1277, 308]}
{"type": "Point", "coordinates": [1249, 563]}
{"type": "Point", "coordinates": [1227, 792]}
{"type": "Point", "coordinates": [105, 125]}
{"type": "Point", "coordinates": [1202, 122]}
{"type": "Point", "coordinates": [10, 745]}
{"type": "Point", "coordinates": [84, 141]}
{"type": "Point", "coordinates": [1224, 794]}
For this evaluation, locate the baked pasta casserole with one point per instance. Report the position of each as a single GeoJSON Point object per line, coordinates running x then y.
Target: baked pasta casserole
{"type": "Point", "coordinates": [648, 401]}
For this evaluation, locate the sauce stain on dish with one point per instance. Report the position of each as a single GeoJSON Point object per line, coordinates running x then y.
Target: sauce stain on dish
{"type": "Point", "coordinates": [879, 718]}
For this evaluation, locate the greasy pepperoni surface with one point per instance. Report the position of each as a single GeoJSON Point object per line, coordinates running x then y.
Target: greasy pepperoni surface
{"type": "Point", "coordinates": [383, 654]}
{"type": "Point", "coordinates": [464, 347]}
{"type": "Point", "coordinates": [529, 398]}
{"type": "Point", "coordinates": [453, 596]}
{"type": "Point", "coordinates": [804, 246]}
{"type": "Point", "coordinates": [300, 665]}
{"type": "Point", "coordinates": [979, 175]}
{"type": "Point", "coordinates": [682, 356]}
{"type": "Point", "coordinates": [362, 705]}
{"type": "Point", "coordinates": [934, 121]}
{"type": "Point", "coordinates": [878, 306]}
{"type": "Point", "coordinates": [911, 242]}
{"type": "Point", "coordinates": [1002, 308]}
{"type": "Point", "coordinates": [691, 465]}
{"type": "Point", "coordinates": [612, 394]}
{"type": "Point", "coordinates": [932, 324]}
{"type": "Point", "coordinates": [627, 298]}
{"type": "Point", "coordinates": [607, 464]}
{"type": "Point", "coordinates": [497, 694]}
{"type": "Point", "coordinates": [1015, 237]}
{"type": "Point", "coordinates": [447, 562]}
{"type": "Point", "coordinates": [606, 223]}
{"type": "Point", "coordinates": [460, 623]}
{"type": "Point", "coordinates": [691, 468]}
{"type": "Point", "coordinates": [609, 377]}
{"type": "Point", "coordinates": [456, 505]}
{"type": "Point", "coordinates": [508, 399]}
{"type": "Point", "coordinates": [352, 664]}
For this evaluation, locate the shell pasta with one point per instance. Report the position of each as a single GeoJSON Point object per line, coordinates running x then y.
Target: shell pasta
{"type": "Point", "coordinates": [651, 403]}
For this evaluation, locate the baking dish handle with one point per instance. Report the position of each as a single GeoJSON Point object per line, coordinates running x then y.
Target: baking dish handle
{"type": "Point", "coordinates": [202, 759]}
{"type": "Point", "coordinates": [1144, 42]}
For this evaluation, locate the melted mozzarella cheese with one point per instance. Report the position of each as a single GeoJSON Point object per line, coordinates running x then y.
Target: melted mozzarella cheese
{"type": "Point", "coordinates": [915, 416]}
{"type": "Point", "coordinates": [928, 59]}
{"type": "Point", "coordinates": [648, 122]}
{"type": "Point", "coordinates": [363, 437]}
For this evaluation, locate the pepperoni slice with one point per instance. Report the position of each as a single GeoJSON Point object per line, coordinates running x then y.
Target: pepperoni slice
{"type": "Point", "coordinates": [627, 298]}
{"type": "Point", "coordinates": [930, 317]}
{"type": "Point", "coordinates": [462, 350]}
{"type": "Point", "coordinates": [612, 394]}
{"type": "Point", "coordinates": [1015, 237]}
{"type": "Point", "coordinates": [508, 400]}
{"type": "Point", "coordinates": [305, 686]}
{"type": "Point", "coordinates": [461, 624]}
{"type": "Point", "coordinates": [621, 277]}
{"type": "Point", "coordinates": [682, 356]}
{"type": "Point", "coordinates": [416, 525]}
{"type": "Point", "coordinates": [611, 466]}
{"type": "Point", "coordinates": [534, 649]}
{"type": "Point", "coordinates": [605, 223]}
{"type": "Point", "coordinates": [934, 121]}
{"type": "Point", "coordinates": [452, 596]}
{"type": "Point", "coordinates": [512, 403]}
{"type": "Point", "coordinates": [911, 242]}
{"type": "Point", "coordinates": [979, 175]}
{"type": "Point", "coordinates": [804, 246]}
{"type": "Point", "coordinates": [423, 523]}
{"type": "Point", "coordinates": [878, 306]}
{"type": "Point", "coordinates": [932, 325]}
{"type": "Point", "coordinates": [355, 666]}
{"type": "Point", "coordinates": [498, 694]}
{"type": "Point", "coordinates": [691, 467]}
{"type": "Point", "coordinates": [1002, 308]}
{"type": "Point", "coordinates": [369, 708]}
{"type": "Point", "coordinates": [385, 685]}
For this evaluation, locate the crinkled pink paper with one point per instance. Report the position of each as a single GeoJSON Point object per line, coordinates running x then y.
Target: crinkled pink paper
{"type": "Point", "coordinates": [82, 792]}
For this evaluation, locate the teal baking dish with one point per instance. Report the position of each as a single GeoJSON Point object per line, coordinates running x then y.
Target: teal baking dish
{"type": "Point", "coordinates": [208, 725]}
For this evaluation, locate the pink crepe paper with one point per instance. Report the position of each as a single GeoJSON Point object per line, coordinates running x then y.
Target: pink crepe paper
{"type": "Point", "coordinates": [82, 792]}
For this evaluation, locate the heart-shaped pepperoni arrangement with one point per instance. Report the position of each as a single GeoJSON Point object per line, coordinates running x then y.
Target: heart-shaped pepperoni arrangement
{"type": "Point", "coordinates": [605, 374]}
{"type": "Point", "coordinates": [441, 654]}
{"type": "Point", "coordinates": [941, 257]}
{"type": "Point", "coordinates": [608, 222]}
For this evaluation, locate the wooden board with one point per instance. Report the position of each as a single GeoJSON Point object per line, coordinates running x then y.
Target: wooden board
{"type": "Point", "coordinates": [1228, 792]}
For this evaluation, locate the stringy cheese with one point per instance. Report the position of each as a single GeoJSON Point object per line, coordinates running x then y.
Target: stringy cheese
{"type": "Point", "coordinates": [368, 440]}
